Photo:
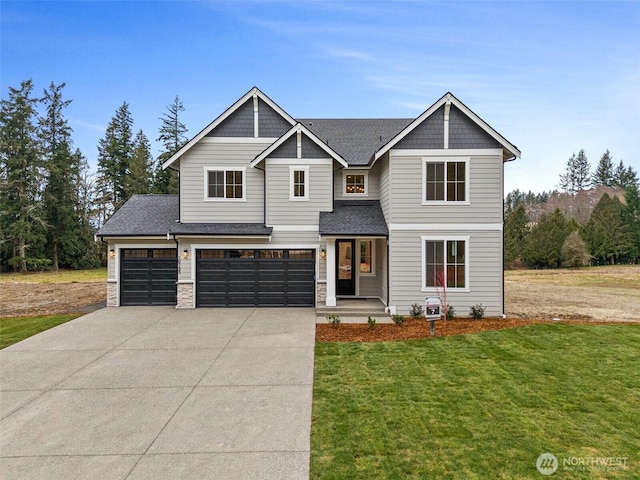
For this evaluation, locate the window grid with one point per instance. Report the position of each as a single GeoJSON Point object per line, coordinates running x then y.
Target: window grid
{"type": "Point", "coordinates": [355, 184]}
{"type": "Point", "coordinates": [298, 183]}
{"type": "Point", "coordinates": [445, 269]}
{"type": "Point", "coordinates": [445, 181]}
{"type": "Point", "coordinates": [225, 184]}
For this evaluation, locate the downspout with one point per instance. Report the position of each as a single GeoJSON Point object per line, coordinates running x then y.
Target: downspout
{"type": "Point", "coordinates": [388, 276]}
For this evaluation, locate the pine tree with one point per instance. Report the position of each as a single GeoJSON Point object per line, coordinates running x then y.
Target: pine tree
{"type": "Point", "coordinates": [114, 157]}
{"type": "Point", "coordinates": [141, 165]}
{"type": "Point", "coordinates": [577, 176]}
{"type": "Point", "coordinates": [544, 244]}
{"type": "Point", "coordinates": [631, 216]}
{"type": "Point", "coordinates": [21, 222]}
{"type": "Point", "coordinates": [607, 233]}
{"type": "Point", "coordinates": [604, 171]}
{"type": "Point", "coordinates": [624, 176]}
{"type": "Point", "coordinates": [62, 170]}
{"type": "Point", "coordinates": [172, 134]}
{"type": "Point", "coordinates": [516, 230]}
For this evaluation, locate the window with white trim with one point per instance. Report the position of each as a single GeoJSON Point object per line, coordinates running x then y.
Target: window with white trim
{"type": "Point", "coordinates": [355, 183]}
{"type": "Point", "coordinates": [224, 184]}
{"type": "Point", "coordinates": [366, 257]}
{"type": "Point", "coordinates": [445, 180]}
{"type": "Point", "coordinates": [445, 263]}
{"type": "Point", "coordinates": [299, 183]}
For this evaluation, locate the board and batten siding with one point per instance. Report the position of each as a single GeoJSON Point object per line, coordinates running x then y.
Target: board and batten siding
{"type": "Point", "coordinates": [484, 191]}
{"type": "Point", "coordinates": [485, 271]}
{"type": "Point", "coordinates": [217, 153]}
{"type": "Point", "coordinates": [281, 210]}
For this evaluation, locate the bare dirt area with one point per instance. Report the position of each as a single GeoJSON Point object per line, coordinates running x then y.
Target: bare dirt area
{"type": "Point", "coordinates": [18, 299]}
{"type": "Point", "coordinates": [597, 293]}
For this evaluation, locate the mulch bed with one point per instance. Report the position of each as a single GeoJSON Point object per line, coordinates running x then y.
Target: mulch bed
{"type": "Point", "coordinates": [419, 328]}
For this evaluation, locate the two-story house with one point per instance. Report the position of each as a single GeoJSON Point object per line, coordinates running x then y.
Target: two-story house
{"type": "Point", "coordinates": [277, 211]}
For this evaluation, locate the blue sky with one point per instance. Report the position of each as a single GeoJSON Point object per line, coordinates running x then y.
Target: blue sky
{"type": "Point", "coordinates": [551, 77]}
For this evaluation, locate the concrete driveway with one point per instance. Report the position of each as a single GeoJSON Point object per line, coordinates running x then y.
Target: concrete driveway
{"type": "Point", "coordinates": [155, 392]}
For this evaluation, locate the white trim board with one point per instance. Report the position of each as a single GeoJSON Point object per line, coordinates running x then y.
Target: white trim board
{"type": "Point", "coordinates": [452, 227]}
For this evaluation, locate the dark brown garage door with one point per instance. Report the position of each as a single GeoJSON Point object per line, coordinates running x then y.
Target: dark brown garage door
{"type": "Point", "coordinates": [256, 278]}
{"type": "Point", "coordinates": [148, 276]}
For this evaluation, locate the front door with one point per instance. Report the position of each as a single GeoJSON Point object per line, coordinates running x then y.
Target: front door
{"type": "Point", "coordinates": [345, 269]}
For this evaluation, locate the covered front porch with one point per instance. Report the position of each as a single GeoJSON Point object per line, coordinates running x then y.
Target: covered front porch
{"type": "Point", "coordinates": [355, 234]}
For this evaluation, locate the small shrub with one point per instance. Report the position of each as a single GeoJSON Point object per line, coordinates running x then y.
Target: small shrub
{"type": "Point", "coordinates": [416, 310]}
{"type": "Point", "coordinates": [449, 312]}
{"type": "Point", "coordinates": [398, 319]}
{"type": "Point", "coordinates": [372, 322]}
{"type": "Point", "coordinates": [334, 319]}
{"type": "Point", "coordinates": [477, 312]}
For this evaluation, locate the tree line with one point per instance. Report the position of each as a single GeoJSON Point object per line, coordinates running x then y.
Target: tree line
{"type": "Point", "coordinates": [51, 203]}
{"type": "Point", "coordinates": [594, 218]}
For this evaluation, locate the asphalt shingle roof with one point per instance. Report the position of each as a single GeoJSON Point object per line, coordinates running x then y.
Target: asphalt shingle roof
{"type": "Point", "coordinates": [356, 139]}
{"type": "Point", "coordinates": [355, 217]}
{"type": "Point", "coordinates": [157, 215]}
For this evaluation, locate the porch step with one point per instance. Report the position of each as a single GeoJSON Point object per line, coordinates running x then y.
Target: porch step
{"type": "Point", "coordinates": [354, 308]}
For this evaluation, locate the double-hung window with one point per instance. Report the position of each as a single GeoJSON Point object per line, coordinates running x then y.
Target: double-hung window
{"type": "Point", "coordinates": [224, 183]}
{"type": "Point", "coordinates": [299, 182]}
{"type": "Point", "coordinates": [445, 180]}
{"type": "Point", "coordinates": [445, 263]}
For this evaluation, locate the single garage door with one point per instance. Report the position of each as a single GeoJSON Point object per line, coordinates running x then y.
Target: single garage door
{"type": "Point", "coordinates": [148, 276]}
{"type": "Point", "coordinates": [256, 278]}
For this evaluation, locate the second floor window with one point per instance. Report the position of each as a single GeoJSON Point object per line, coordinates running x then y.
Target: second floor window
{"type": "Point", "coordinates": [299, 183]}
{"type": "Point", "coordinates": [225, 184]}
{"type": "Point", "coordinates": [355, 184]}
{"type": "Point", "coordinates": [445, 181]}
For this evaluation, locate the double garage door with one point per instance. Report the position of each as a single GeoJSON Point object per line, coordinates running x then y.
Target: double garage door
{"type": "Point", "coordinates": [257, 278]}
{"type": "Point", "coordinates": [224, 278]}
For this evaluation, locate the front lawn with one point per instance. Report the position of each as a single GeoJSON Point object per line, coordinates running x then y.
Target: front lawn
{"type": "Point", "coordinates": [12, 330]}
{"type": "Point", "coordinates": [479, 406]}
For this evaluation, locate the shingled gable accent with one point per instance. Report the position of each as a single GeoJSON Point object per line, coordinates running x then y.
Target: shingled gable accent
{"type": "Point", "coordinates": [226, 114]}
{"type": "Point", "coordinates": [293, 131]}
{"type": "Point", "coordinates": [510, 150]}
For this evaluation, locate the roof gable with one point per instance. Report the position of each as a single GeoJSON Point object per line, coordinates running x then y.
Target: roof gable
{"type": "Point", "coordinates": [448, 101]}
{"type": "Point", "coordinates": [285, 142]}
{"type": "Point", "coordinates": [244, 107]}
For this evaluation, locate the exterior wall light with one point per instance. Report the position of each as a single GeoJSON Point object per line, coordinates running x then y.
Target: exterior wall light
{"type": "Point", "coordinates": [185, 254]}
{"type": "Point", "coordinates": [112, 253]}
{"type": "Point", "coordinates": [323, 254]}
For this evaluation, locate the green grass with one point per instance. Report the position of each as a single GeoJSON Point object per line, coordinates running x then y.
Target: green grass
{"type": "Point", "coordinates": [478, 406]}
{"type": "Point", "coordinates": [61, 276]}
{"type": "Point", "coordinates": [14, 329]}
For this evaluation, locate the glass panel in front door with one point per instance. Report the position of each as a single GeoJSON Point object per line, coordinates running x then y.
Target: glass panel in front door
{"type": "Point", "coordinates": [344, 261]}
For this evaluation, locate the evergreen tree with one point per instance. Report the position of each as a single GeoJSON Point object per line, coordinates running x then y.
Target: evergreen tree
{"type": "Point", "coordinates": [21, 222]}
{"type": "Point", "coordinates": [624, 176]}
{"type": "Point", "coordinates": [172, 134]}
{"type": "Point", "coordinates": [577, 176]}
{"type": "Point", "coordinates": [607, 233]}
{"type": "Point", "coordinates": [62, 170]}
{"type": "Point", "coordinates": [516, 230]}
{"type": "Point", "coordinates": [604, 171]}
{"type": "Point", "coordinates": [141, 165]}
{"type": "Point", "coordinates": [631, 216]}
{"type": "Point", "coordinates": [114, 157]}
{"type": "Point", "coordinates": [544, 242]}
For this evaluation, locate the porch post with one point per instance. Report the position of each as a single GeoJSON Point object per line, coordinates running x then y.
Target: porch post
{"type": "Point", "coordinates": [331, 272]}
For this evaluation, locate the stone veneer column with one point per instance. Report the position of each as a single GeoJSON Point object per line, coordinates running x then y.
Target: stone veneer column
{"type": "Point", "coordinates": [321, 293]}
{"type": "Point", "coordinates": [185, 295]}
{"type": "Point", "coordinates": [112, 293]}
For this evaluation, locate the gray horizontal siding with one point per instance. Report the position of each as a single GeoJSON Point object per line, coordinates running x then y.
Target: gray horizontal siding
{"type": "Point", "coordinates": [484, 190]}
{"type": "Point", "coordinates": [283, 211]}
{"type": "Point", "coordinates": [373, 192]}
{"type": "Point", "coordinates": [193, 206]}
{"type": "Point", "coordinates": [485, 272]}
